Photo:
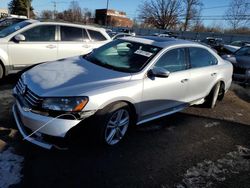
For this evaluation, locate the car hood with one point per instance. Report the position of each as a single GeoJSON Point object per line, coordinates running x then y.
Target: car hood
{"type": "Point", "coordinates": [231, 48]}
{"type": "Point", "coordinates": [70, 77]}
{"type": "Point", "coordinates": [238, 61]}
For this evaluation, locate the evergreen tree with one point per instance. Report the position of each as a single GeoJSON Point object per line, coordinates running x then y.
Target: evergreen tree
{"type": "Point", "coordinates": [19, 7]}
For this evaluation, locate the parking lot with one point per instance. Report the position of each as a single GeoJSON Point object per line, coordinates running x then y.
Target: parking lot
{"type": "Point", "coordinates": [197, 147]}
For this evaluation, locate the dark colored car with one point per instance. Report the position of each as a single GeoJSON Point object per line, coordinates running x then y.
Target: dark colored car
{"type": "Point", "coordinates": [241, 63]}
{"type": "Point", "coordinates": [240, 43]}
{"type": "Point", "coordinates": [215, 43]}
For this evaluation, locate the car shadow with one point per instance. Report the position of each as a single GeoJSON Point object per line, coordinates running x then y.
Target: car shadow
{"type": "Point", "coordinates": [9, 81]}
{"type": "Point", "coordinates": [160, 152]}
{"type": "Point", "coordinates": [242, 92]}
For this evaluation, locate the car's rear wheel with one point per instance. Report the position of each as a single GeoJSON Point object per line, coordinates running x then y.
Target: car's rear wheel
{"type": "Point", "coordinates": [213, 96]}
{"type": "Point", "coordinates": [112, 123]}
{"type": "Point", "coordinates": [1, 71]}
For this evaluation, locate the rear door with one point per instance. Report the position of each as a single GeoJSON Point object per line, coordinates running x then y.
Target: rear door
{"type": "Point", "coordinates": [39, 46]}
{"type": "Point", "coordinates": [73, 42]}
{"type": "Point", "coordinates": [203, 73]}
{"type": "Point", "coordinates": [162, 95]}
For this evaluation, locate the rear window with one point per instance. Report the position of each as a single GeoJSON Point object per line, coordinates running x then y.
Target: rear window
{"type": "Point", "coordinates": [200, 57]}
{"type": "Point", "coordinates": [72, 34]}
{"type": "Point", "coordinates": [96, 35]}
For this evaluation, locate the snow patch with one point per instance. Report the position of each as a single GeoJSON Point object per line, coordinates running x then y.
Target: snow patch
{"type": "Point", "coordinates": [211, 124]}
{"type": "Point", "coordinates": [10, 168]}
{"type": "Point", "coordinates": [207, 173]}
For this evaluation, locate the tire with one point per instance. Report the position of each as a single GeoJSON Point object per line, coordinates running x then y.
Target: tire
{"type": "Point", "coordinates": [213, 96]}
{"type": "Point", "coordinates": [1, 71]}
{"type": "Point", "coordinates": [111, 124]}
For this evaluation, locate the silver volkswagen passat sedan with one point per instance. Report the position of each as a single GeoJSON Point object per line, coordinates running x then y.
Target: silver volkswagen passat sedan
{"type": "Point", "coordinates": [128, 81]}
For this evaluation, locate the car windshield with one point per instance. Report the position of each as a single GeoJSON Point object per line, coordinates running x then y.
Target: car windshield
{"type": "Point", "coordinates": [13, 28]}
{"type": "Point", "coordinates": [243, 51]}
{"type": "Point", "coordinates": [123, 56]}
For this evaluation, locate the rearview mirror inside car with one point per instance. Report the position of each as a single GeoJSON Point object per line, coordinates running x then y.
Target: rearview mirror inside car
{"type": "Point", "coordinates": [19, 37]}
{"type": "Point", "coordinates": [158, 72]}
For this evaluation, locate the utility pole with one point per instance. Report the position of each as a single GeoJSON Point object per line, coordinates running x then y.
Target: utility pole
{"type": "Point", "coordinates": [106, 19]}
{"type": "Point", "coordinates": [28, 8]}
{"type": "Point", "coordinates": [55, 5]}
{"type": "Point", "coordinates": [54, 12]}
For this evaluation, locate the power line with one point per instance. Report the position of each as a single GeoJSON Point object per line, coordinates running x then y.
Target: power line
{"type": "Point", "coordinates": [223, 6]}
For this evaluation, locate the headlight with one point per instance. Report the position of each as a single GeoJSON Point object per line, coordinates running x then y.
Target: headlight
{"type": "Point", "coordinates": [67, 104]}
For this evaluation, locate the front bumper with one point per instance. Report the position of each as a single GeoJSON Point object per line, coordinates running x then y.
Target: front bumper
{"type": "Point", "coordinates": [46, 126]}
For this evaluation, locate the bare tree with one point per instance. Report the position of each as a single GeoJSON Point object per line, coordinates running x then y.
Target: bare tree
{"type": "Point", "coordinates": [238, 13]}
{"type": "Point", "coordinates": [75, 11]}
{"type": "Point", "coordinates": [86, 14]}
{"type": "Point", "coordinates": [47, 14]}
{"type": "Point", "coordinates": [162, 14]}
{"type": "Point", "coordinates": [72, 14]}
{"type": "Point", "coordinates": [192, 11]}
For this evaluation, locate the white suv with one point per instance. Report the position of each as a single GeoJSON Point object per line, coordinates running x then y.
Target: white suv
{"type": "Point", "coordinates": [31, 42]}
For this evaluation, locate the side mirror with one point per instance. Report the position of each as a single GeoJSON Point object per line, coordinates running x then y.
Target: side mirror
{"type": "Point", "coordinates": [19, 37]}
{"type": "Point", "coordinates": [159, 72]}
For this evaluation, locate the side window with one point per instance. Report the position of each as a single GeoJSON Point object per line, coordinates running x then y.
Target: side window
{"type": "Point", "coordinates": [40, 33]}
{"type": "Point", "coordinates": [200, 57]}
{"type": "Point", "coordinates": [71, 34]}
{"type": "Point", "coordinates": [96, 35]}
{"type": "Point", "coordinates": [173, 60]}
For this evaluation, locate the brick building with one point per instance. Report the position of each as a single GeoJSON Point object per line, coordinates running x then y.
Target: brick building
{"type": "Point", "coordinates": [114, 18]}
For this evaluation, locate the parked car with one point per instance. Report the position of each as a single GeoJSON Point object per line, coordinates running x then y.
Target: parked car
{"type": "Point", "coordinates": [211, 41]}
{"type": "Point", "coordinates": [9, 21]}
{"type": "Point", "coordinates": [120, 35]}
{"type": "Point", "coordinates": [31, 42]}
{"type": "Point", "coordinates": [241, 64]}
{"type": "Point", "coordinates": [215, 43]}
{"type": "Point", "coordinates": [166, 34]}
{"type": "Point", "coordinates": [229, 49]}
{"type": "Point", "coordinates": [240, 43]}
{"type": "Point", "coordinates": [127, 30]}
{"type": "Point", "coordinates": [127, 81]}
{"type": "Point", "coordinates": [234, 46]}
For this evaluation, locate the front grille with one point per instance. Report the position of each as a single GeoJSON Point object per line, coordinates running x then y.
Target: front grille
{"type": "Point", "coordinates": [33, 100]}
{"type": "Point", "coordinates": [239, 70]}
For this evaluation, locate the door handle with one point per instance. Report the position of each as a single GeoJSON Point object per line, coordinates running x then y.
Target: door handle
{"type": "Point", "coordinates": [85, 46]}
{"type": "Point", "coordinates": [214, 74]}
{"type": "Point", "coordinates": [50, 46]}
{"type": "Point", "coordinates": [184, 80]}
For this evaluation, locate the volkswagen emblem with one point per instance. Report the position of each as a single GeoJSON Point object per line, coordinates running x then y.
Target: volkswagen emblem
{"type": "Point", "coordinates": [23, 90]}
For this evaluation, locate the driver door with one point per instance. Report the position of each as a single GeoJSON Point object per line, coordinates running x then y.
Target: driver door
{"type": "Point", "coordinates": [39, 46]}
{"type": "Point", "coordinates": [163, 95]}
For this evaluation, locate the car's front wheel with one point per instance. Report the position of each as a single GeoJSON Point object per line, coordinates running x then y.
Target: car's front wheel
{"type": "Point", "coordinates": [112, 123]}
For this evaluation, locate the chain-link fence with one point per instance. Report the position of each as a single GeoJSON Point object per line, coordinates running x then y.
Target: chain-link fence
{"type": "Point", "coordinates": [227, 38]}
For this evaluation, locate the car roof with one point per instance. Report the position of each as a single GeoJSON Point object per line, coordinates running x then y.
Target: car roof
{"type": "Point", "coordinates": [162, 42]}
{"type": "Point", "coordinates": [70, 24]}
